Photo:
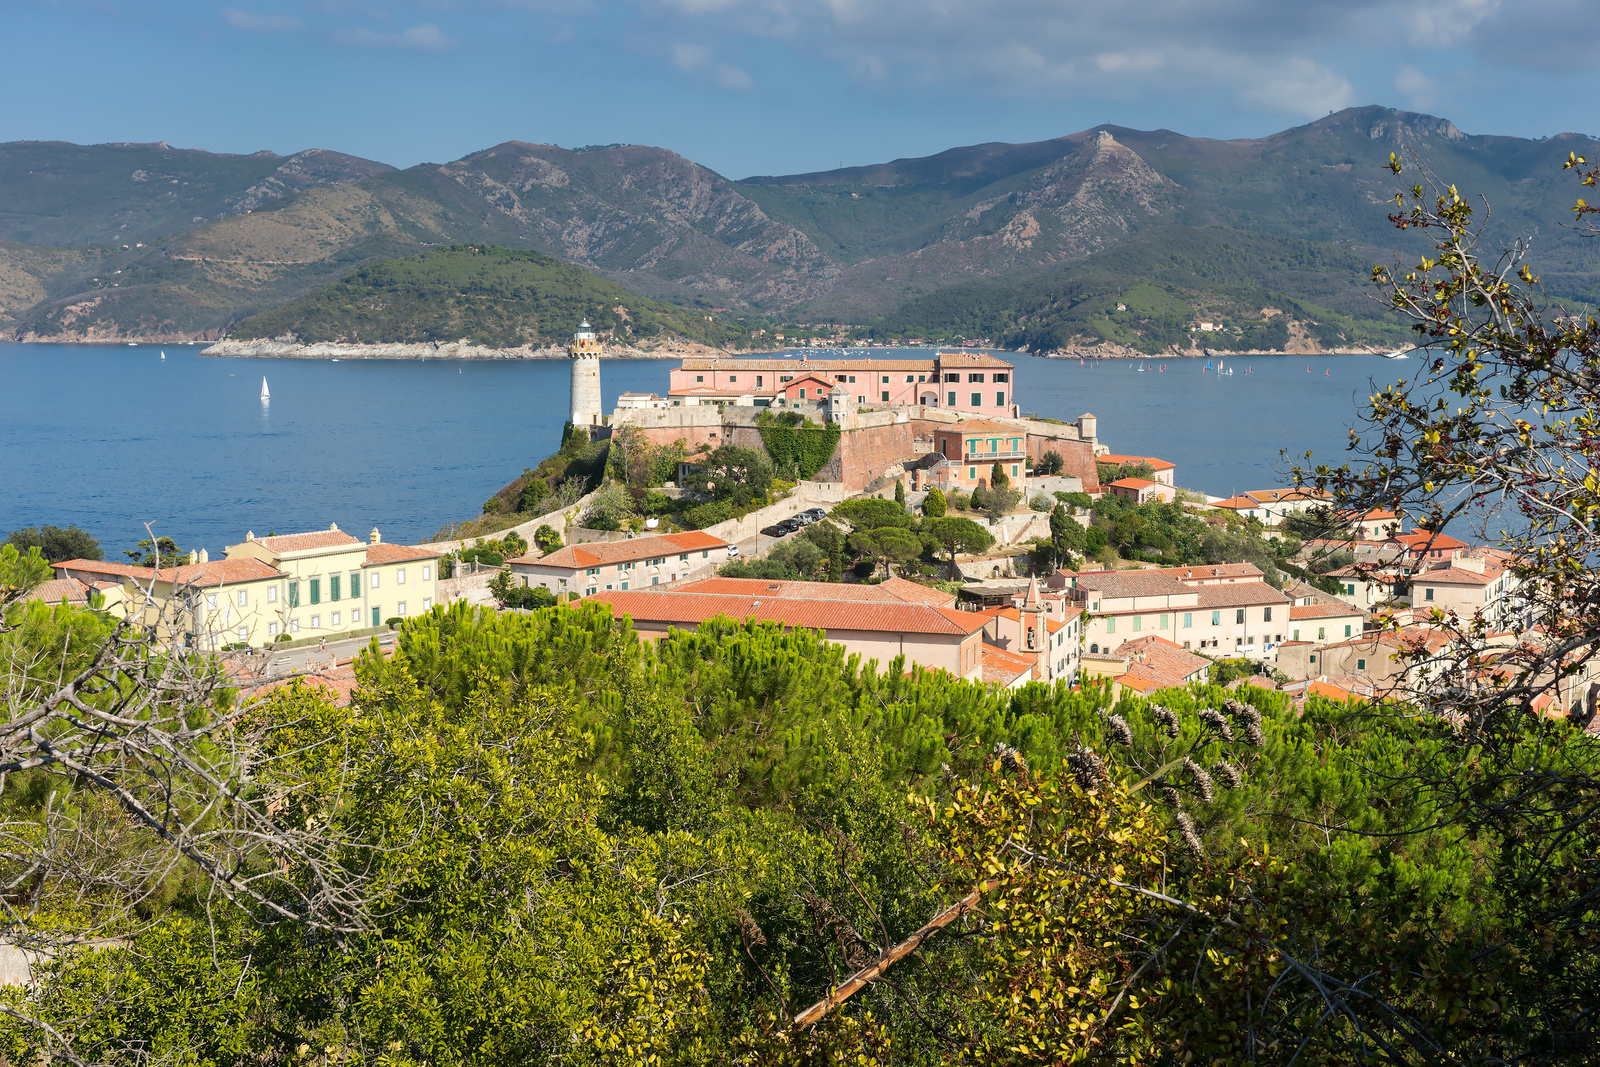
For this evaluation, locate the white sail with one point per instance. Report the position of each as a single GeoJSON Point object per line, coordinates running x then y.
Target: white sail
{"type": "Point", "coordinates": [163, 353]}
{"type": "Point", "coordinates": [264, 394]}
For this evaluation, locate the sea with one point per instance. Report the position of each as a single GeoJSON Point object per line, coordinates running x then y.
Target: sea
{"type": "Point", "coordinates": [120, 442]}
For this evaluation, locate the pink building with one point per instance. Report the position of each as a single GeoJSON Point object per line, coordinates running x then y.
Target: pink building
{"type": "Point", "coordinates": [970, 382]}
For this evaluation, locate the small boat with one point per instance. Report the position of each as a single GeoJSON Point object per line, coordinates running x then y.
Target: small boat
{"type": "Point", "coordinates": [336, 361]}
{"type": "Point", "coordinates": [1327, 374]}
{"type": "Point", "coordinates": [163, 353]}
{"type": "Point", "coordinates": [264, 394]}
{"type": "Point", "coordinates": [133, 344]}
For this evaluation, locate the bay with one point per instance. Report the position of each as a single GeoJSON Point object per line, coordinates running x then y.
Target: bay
{"type": "Point", "coordinates": [111, 437]}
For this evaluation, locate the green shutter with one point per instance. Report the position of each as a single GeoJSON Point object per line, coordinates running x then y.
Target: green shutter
{"type": "Point", "coordinates": [333, 587]}
{"type": "Point", "coordinates": [294, 594]}
{"type": "Point", "coordinates": [316, 590]}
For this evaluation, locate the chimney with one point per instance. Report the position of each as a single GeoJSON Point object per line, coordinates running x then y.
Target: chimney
{"type": "Point", "coordinates": [333, 526]}
{"type": "Point", "coordinates": [193, 558]}
{"type": "Point", "coordinates": [373, 537]}
{"type": "Point", "coordinates": [204, 556]}
{"type": "Point", "coordinates": [249, 535]}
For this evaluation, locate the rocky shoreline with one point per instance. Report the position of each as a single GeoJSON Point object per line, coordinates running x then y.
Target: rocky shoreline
{"type": "Point", "coordinates": [1113, 351]}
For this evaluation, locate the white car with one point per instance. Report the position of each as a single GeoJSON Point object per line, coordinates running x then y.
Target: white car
{"type": "Point", "coordinates": [733, 550]}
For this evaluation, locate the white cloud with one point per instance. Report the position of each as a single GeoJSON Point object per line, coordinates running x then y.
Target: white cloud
{"type": "Point", "coordinates": [1415, 86]}
{"type": "Point", "coordinates": [700, 60]}
{"type": "Point", "coordinates": [424, 37]}
{"type": "Point", "coordinates": [253, 23]}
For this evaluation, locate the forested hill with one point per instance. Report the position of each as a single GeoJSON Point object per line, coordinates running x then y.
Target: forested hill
{"type": "Point", "coordinates": [499, 297]}
{"type": "Point", "coordinates": [215, 239]}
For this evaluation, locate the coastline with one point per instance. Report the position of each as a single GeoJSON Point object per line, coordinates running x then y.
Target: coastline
{"type": "Point", "coordinates": [436, 350]}
{"type": "Point", "coordinates": [1104, 352]}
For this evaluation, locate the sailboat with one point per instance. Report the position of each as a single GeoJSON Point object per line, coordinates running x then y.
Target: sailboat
{"type": "Point", "coordinates": [163, 353]}
{"type": "Point", "coordinates": [264, 394]}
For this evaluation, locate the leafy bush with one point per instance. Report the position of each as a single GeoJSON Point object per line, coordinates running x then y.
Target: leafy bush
{"type": "Point", "coordinates": [709, 514]}
{"type": "Point", "coordinates": [799, 447]}
{"type": "Point", "coordinates": [934, 504]}
{"type": "Point", "coordinates": [1042, 502]}
{"type": "Point", "coordinates": [1050, 464]}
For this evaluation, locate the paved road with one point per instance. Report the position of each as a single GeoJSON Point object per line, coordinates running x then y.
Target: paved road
{"type": "Point", "coordinates": [298, 659]}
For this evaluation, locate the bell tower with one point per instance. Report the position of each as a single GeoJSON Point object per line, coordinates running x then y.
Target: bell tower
{"type": "Point", "coordinates": [585, 354]}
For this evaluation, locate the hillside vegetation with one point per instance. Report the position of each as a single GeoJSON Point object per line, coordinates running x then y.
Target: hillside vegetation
{"type": "Point", "coordinates": [500, 297]}
{"type": "Point", "coordinates": [1165, 280]}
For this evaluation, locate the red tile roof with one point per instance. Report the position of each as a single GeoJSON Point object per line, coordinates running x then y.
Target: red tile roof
{"type": "Point", "coordinates": [381, 553]}
{"type": "Point", "coordinates": [96, 566]}
{"type": "Point", "coordinates": [1201, 573]}
{"type": "Point", "coordinates": [1323, 610]}
{"type": "Point", "coordinates": [55, 590]}
{"type": "Point", "coordinates": [1003, 668]}
{"type": "Point", "coordinates": [1238, 595]}
{"type": "Point", "coordinates": [984, 426]}
{"type": "Point", "coordinates": [893, 591]}
{"type": "Point", "coordinates": [602, 553]}
{"type": "Point", "coordinates": [689, 609]}
{"type": "Point", "coordinates": [1156, 663]}
{"type": "Point", "coordinates": [219, 572]}
{"type": "Point", "coordinates": [1419, 540]}
{"type": "Point", "coordinates": [1132, 483]}
{"type": "Point", "coordinates": [300, 542]}
{"type": "Point", "coordinates": [1459, 575]}
{"type": "Point", "coordinates": [1121, 584]}
{"type": "Point", "coordinates": [1120, 460]}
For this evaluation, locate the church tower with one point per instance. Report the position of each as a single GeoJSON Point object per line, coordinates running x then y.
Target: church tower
{"type": "Point", "coordinates": [585, 353]}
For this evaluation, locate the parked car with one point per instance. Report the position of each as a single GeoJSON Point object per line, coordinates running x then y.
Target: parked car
{"type": "Point", "coordinates": [733, 550]}
{"type": "Point", "coordinates": [772, 531]}
{"type": "Point", "coordinates": [816, 514]}
{"type": "Point", "coordinates": [788, 526]}
{"type": "Point", "coordinates": [804, 518]}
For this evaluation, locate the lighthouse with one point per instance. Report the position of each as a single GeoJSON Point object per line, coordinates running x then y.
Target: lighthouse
{"type": "Point", "coordinates": [585, 354]}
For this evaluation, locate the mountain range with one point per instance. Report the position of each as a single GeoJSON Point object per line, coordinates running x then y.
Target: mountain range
{"type": "Point", "coordinates": [123, 240]}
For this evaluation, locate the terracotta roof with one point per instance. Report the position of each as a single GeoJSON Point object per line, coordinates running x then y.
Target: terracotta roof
{"type": "Point", "coordinates": [1120, 460]}
{"type": "Point", "coordinates": [1119, 584]}
{"type": "Point", "coordinates": [1422, 539]}
{"type": "Point", "coordinates": [811, 363]}
{"type": "Point", "coordinates": [1237, 503]}
{"type": "Point", "coordinates": [972, 359]}
{"type": "Point", "coordinates": [1051, 625]}
{"type": "Point", "coordinates": [603, 553]}
{"type": "Point", "coordinates": [1002, 668]}
{"type": "Point", "coordinates": [984, 426]}
{"type": "Point", "coordinates": [96, 566]}
{"type": "Point", "coordinates": [893, 591]}
{"type": "Point", "coordinates": [1322, 611]}
{"type": "Point", "coordinates": [1238, 595]}
{"type": "Point", "coordinates": [219, 572]}
{"type": "Point", "coordinates": [1459, 576]}
{"type": "Point", "coordinates": [1329, 691]}
{"type": "Point", "coordinates": [381, 553]}
{"type": "Point", "coordinates": [55, 590]}
{"type": "Point", "coordinates": [1211, 571]}
{"type": "Point", "coordinates": [691, 609]}
{"type": "Point", "coordinates": [1275, 496]}
{"type": "Point", "coordinates": [1156, 663]}
{"type": "Point", "coordinates": [300, 542]}
{"type": "Point", "coordinates": [1132, 483]}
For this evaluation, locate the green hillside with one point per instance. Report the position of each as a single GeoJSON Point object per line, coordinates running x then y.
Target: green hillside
{"type": "Point", "coordinates": [500, 297]}
{"type": "Point", "coordinates": [1167, 279]}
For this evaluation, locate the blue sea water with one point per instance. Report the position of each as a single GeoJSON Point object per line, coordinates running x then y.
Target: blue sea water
{"type": "Point", "coordinates": [110, 438]}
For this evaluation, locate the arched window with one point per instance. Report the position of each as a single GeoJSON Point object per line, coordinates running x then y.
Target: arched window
{"type": "Point", "coordinates": [1094, 650]}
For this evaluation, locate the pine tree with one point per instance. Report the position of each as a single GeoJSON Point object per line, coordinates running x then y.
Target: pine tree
{"type": "Point", "coordinates": [934, 504]}
{"type": "Point", "coordinates": [900, 493]}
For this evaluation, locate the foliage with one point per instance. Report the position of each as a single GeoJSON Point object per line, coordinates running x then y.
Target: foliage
{"type": "Point", "coordinates": [999, 480]}
{"type": "Point", "coordinates": [887, 544]}
{"type": "Point", "coordinates": [145, 553]}
{"type": "Point", "coordinates": [900, 493]}
{"type": "Point", "coordinates": [731, 474]}
{"type": "Point", "coordinates": [1076, 500]}
{"type": "Point", "coordinates": [953, 536]}
{"type": "Point", "coordinates": [1050, 464]}
{"type": "Point", "coordinates": [499, 297]}
{"type": "Point", "coordinates": [1110, 472]}
{"type": "Point", "coordinates": [870, 513]}
{"type": "Point", "coordinates": [609, 507]}
{"type": "Point", "coordinates": [934, 504]}
{"type": "Point", "coordinates": [799, 447]}
{"type": "Point", "coordinates": [547, 539]}
{"type": "Point", "coordinates": [56, 543]}
{"type": "Point", "coordinates": [509, 593]}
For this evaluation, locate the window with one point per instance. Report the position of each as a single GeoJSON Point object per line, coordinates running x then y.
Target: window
{"type": "Point", "coordinates": [1216, 618]}
{"type": "Point", "coordinates": [852, 379]}
{"type": "Point", "coordinates": [333, 587]}
{"type": "Point", "coordinates": [1347, 630]}
{"type": "Point", "coordinates": [1001, 378]}
{"type": "Point", "coordinates": [243, 598]}
{"type": "Point", "coordinates": [400, 576]}
{"type": "Point", "coordinates": [972, 473]}
{"type": "Point", "coordinates": [977, 400]}
{"type": "Point", "coordinates": [624, 587]}
{"type": "Point", "coordinates": [1138, 623]}
{"type": "Point", "coordinates": [1014, 470]}
{"type": "Point", "coordinates": [1238, 616]}
{"type": "Point", "coordinates": [294, 594]}
{"type": "Point", "coordinates": [1266, 614]}
{"type": "Point", "coordinates": [377, 619]}
{"type": "Point", "coordinates": [950, 398]}
{"type": "Point", "coordinates": [885, 380]}
{"type": "Point", "coordinates": [759, 381]}
{"type": "Point", "coordinates": [333, 620]}
{"type": "Point", "coordinates": [1427, 594]}
{"type": "Point", "coordinates": [244, 633]}
{"type": "Point", "coordinates": [920, 377]}
{"type": "Point", "coordinates": [400, 609]}
{"type": "Point", "coordinates": [427, 573]}
{"type": "Point", "coordinates": [705, 554]}
{"type": "Point", "coordinates": [977, 378]}
{"type": "Point", "coordinates": [272, 629]}
{"type": "Point", "coordinates": [355, 585]}
{"type": "Point", "coordinates": [802, 392]}
{"type": "Point", "coordinates": [1188, 619]}
{"type": "Point", "coordinates": [211, 601]}
{"type": "Point", "coordinates": [1322, 633]}
{"type": "Point", "coordinates": [732, 378]}
{"type": "Point", "coordinates": [951, 378]}
{"type": "Point", "coordinates": [1349, 589]}
{"type": "Point", "coordinates": [593, 570]}
{"type": "Point", "coordinates": [908, 378]}
{"type": "Point", "coordinates": [886, 396]}
{"type": "Point", "coordinates": [272, 594]}
{"type": "Point", "coordinates": [1361, 664]}
{"type": "Point", "coordinates": [699, 377]}
{"type": "Point", "coordinates": [316, 591]}
{"type": "Point", "coordinates": [316, 622]}
{"type": "Point", "coordinates": [1163, 625]}
{"type": "Point", "coordinates": [427, 601]}
{"type": "Point", "coordinates": [374, 579]}
{"type": "Point", "coordinates": [683, 557]}
{"type": "Point", "coordinates": [999, 400]}
{"type": "Point", "coordinates": [294, 626]}
{"type": "Point", "coordinates": [1295, 636]}
{"type": "Point", "coordinates": [1111, 625]}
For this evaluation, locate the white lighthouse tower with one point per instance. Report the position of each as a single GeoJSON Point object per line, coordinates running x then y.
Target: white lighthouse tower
{"type": "Point", "coordinates": [585, 353]}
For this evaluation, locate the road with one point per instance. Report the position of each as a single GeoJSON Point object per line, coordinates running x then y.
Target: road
{"type": "Point", "coordinates": [299, 659]}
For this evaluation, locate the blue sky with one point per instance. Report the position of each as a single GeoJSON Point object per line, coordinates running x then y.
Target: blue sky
{"type": "Point", "coordinates": [770, 86]}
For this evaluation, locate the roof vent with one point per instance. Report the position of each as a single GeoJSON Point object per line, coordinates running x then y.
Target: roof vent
{"type": "Point", "coordinates": [205, 557]}
{"type": "Point", "coordinates": [374, 537]}
{"type": "Point", "coordinates": [333, 526]}
{"type": "Point", "coordinates": [249, 535]}
{"type": "Point", "coordinates": [194, 557]}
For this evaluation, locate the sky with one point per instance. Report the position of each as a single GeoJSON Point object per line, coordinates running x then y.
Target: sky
{"type": "Point", "coordinates": [770, 86]}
